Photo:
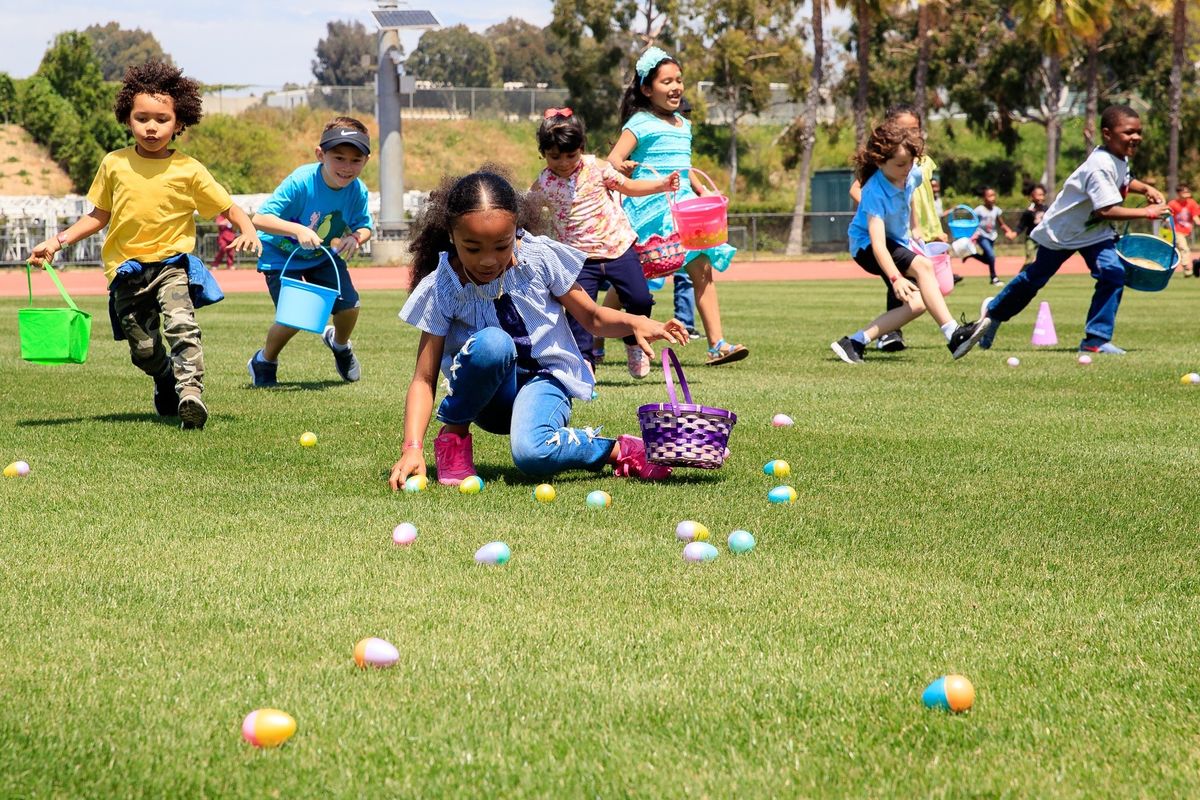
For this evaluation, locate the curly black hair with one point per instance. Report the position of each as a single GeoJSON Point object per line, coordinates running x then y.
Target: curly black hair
{"type": "Point", "coordinates": [158, 78]}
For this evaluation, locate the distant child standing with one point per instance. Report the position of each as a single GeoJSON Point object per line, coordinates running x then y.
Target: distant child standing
{"type": "Point", "coordinates": [225, 239]}
{"type": "Point", "coordinates": [881, 245]}
{"type": "Point", "coordinates": [322, 204]}
{"type": "Point", "coordinates": [659, 139]}
{"type": "Point", "coordinates": [491, 302]}
{"type": "Point", "coordinates": [1186, 211]}
{"type": "Point", "coordinates": [1031, 217]}
{"type": "Point", "coordinates": [990, 217]}
{"type": "Point", "coordinates": [575, 187]}
{"type": "Point", "coordinates": [1079, 220]}
{"type": "Point", "coordinates": [148, 195]}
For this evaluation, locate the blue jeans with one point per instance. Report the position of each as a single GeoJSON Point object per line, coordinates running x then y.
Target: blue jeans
{"type": "Point", "coordinates": [685, 300]}
{"type": "Point", "coordinates": [484, 388]}
{"type": "Point", "coordinates": [1106, 268]}
{"type": "Point", "coordinates": [988, 255]}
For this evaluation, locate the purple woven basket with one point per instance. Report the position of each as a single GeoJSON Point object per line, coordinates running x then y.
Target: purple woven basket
{"type": "Point", "coordinates": [684, 434]}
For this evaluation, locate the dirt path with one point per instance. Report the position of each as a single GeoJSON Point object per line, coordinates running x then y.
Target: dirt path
{"type": "Point", "coordinates": [90, 281]}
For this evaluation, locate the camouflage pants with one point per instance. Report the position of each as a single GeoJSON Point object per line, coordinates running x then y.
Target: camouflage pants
{"type": "Point", "coordinates": [155, 306]}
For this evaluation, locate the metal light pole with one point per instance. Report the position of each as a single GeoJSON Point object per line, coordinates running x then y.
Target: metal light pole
{"type": "Point", "coordinates": [389, 83]}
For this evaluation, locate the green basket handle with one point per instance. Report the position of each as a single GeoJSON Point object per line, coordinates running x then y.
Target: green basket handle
{"type": "Point", "coordinates": [53, 276]}
{"type": "Point", "coordinates": [1170, 219]}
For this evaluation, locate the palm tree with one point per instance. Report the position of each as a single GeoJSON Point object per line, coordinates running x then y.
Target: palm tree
{"type": "Point", "coordinates": [862, 24]}
{"type": "Point", "coordinates": [1178, 39]}
{"type": "Point", "coordinates": [808, 136]}
{"type": "Point", "coordinates": [921, 77]}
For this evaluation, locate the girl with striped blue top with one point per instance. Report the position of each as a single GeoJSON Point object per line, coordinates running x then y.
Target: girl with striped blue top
{"type": "Point", "coordinates": [491, 302]}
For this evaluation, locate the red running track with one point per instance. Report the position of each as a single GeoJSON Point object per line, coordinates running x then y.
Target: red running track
{"type": "Point", "coordinates": [89, 281]}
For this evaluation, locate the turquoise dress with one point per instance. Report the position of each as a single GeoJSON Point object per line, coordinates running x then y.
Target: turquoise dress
{"type": "Point", "coordinates": [666, 148]}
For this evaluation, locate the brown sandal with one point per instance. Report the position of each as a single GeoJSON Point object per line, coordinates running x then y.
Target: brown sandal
{"type": "Point", "coordinates": [725, 353]}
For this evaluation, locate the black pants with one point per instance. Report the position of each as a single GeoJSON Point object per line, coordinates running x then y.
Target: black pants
{"type": "Point", "coordinates": [625, 274]}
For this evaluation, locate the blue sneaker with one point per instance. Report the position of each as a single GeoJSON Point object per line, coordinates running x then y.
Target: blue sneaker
{"type": "Point", "coordinates": [989, 336]}
{"type": "Point", "coordinates": [262, 373]}
{"type": "Point", "coordinates": [343, 358]}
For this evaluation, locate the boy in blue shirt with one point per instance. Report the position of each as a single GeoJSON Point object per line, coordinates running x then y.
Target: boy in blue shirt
{"type": "Point", "coordinates": [318, 205]}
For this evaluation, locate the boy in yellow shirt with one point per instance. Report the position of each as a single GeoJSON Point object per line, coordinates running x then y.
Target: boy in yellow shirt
{"type": "Point", "coordinates": [146, 195]}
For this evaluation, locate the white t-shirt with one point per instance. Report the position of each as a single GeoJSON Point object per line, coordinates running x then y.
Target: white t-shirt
{"type": "Point", "coordinates": [1070, 222]}
{"type": "Point", "coordinates": [987, 220]}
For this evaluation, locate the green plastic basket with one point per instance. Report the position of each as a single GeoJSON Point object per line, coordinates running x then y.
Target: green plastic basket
{"type": "Point", "coordinates": [53, 335]}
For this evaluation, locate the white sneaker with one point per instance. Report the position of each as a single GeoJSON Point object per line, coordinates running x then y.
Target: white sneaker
{"type": "Point", "coordinates": [635, 359]}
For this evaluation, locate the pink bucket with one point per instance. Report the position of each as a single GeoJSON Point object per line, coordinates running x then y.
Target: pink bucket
{"type": "Point", "coordinates": [702, 221]}
{"type": "Point", "coordinates": [939, 254]}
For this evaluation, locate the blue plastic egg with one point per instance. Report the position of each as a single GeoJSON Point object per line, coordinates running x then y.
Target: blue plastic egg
{"type": "Point", "coordinates": [495, 553]}
{"type": "Point", "coordinates": [699, 551]}
{"type": "Point", "coordinates": [741, 542]}
{"type": "Point", "coordinates": [782, 494]}
{"type": "Point", "coordinates": [599, 499]}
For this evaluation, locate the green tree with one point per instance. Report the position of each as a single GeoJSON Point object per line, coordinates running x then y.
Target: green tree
{"type": "Point", "coordinates": [742, 46]}
{"type": "Point", "coordinates": [117, 49]}
{"type": "Point", "coordinates": [454, 56]}
{"type": "Point", "coordinates": [52, 121]}
{"type": "Point", "coordinates": [526, 53]}
{"type": "Point", "coordinates": [806, 126]}
{"type": "Point", "coordinates": [8, 98]}
{"type": "Point", "coordinates": [346, 56]}
{"type": "Point", "coordinates": [243, 153]}
{"type": "Point", "coordinates": [74, 72]}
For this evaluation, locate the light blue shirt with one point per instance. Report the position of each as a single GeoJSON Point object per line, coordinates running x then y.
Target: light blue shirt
{"type": "Point", "coordinates": [442, 305]}
{"type": "Point", "coordinates": [894, 206]}
{"type": "Point", "coordinates": [304, 197]}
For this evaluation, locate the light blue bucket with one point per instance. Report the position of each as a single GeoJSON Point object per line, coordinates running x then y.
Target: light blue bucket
{"type": "Point", "coordinates": [305, 305]}
{"type": "Point", "coordinates": [962, 228]}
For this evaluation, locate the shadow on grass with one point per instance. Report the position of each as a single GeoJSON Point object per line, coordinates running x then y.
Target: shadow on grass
{"type": "Point", "coordinates": [127, 417]}
{"type": "Point", "coordinates": [299, 386]}
{"type": "Point", "coordinates": [511, 476]}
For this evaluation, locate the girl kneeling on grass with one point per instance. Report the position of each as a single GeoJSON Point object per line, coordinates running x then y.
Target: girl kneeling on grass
{"type": "Point", "coordinates": [880, 244]}
{"type": "Point", "coordinates": [491, 302]}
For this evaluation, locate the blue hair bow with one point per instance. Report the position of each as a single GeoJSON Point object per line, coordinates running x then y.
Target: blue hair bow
{"type": "Point", "coordinates": [649, 60]}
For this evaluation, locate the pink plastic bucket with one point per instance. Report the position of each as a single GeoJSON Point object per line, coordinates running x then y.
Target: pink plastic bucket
{"type": "Point", "coordinates": [702, 222]}
{"type": "Point", "coordinates": [939, 254]}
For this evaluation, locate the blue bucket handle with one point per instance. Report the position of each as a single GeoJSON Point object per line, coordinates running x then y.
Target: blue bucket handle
{"type": "Point", "coordinates": [336, 275]}
{"type": "Point", "coordinates": [966, 208]}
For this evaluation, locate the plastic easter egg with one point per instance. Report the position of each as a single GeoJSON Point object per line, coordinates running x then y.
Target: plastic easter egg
{"type": "Point", "coordinates": [308, 439]}
{"type": "Point", "coordinates": [777, 468]}
{"type": "Point", "coordinates": [949, 693]}
{"type": "Point", "coordinates": [404, 534]}
{"type": "Point", "coordinates": [17, 469]}
{"type": "Point", "coordinates": [416, 483]}
{"type": "Point", "coordinates": [741, 542]}
{"type": "Point", "coordinates": [782, 494]}
{"type": "Point", "coordinates": [782, 421]}
{"type": "Point", "coordinates": [1085, 359]}
{"type": "Point", "coordinates": [1191, 379]}
{"type": "Point", "coordinates": [10, 471]}
{"type": "Point", "coordinates": [472, 484]}
{"type": "Point", "coordinates": [374, 652]}
{"type": "Point", "coordinates": [268, 727]}
{"type": "Point", "coordinates": [544, 493]}
{"type": "Point", "coordinates": [689, 531]}
{"type": "Point", "coordinates": [494, 553]}
{"type": "Point", "coordinates": [599, 499]}
{"type": "Point", "coordinates": [1013, 361]}
{"type": "Point", "coordinates": [699, 551]}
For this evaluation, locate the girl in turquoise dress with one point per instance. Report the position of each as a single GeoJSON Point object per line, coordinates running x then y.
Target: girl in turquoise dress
{"type": "Point", "coordinates": [654, 135]}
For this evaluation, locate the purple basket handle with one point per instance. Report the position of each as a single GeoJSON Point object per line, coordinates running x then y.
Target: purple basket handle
{"type": "Point", "coordinates": [668, 353]}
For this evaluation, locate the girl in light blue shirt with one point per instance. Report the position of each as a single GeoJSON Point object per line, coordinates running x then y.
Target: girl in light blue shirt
{"type": "Point", "coordinates": [491, 302]}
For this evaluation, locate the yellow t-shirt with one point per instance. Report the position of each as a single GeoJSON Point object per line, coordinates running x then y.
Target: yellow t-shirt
{"type": "Point", "coordinates": [927, 217]}
{"type": "Point", "coordinates": [152, 201]}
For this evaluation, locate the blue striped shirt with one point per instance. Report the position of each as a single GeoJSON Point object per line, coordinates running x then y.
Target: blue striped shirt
{"type": "Point", "coordinates": [442, 305]}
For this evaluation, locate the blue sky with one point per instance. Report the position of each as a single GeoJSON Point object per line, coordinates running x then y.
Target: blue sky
{"type": "Point", "coordinates": [245, 42]}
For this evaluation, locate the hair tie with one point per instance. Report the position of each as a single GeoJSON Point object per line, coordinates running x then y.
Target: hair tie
{"type": "Point", "coordinates": [550, 113]}
{"type": "Point", "coordinates": [649, 60]}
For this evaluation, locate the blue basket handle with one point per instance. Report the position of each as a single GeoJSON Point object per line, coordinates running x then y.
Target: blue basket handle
{"type": "Point", "coordinates": [968, 209]}
{"type": "Point", "coordinates": [1170, 219]}
{"type": "Point", "coordinates": [668, 353]}
{"type": "Point", "coordinates": [336, 274]}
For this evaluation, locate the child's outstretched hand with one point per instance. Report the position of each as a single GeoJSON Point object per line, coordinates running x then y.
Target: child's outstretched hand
{"type": "Point", "coordinates": [347, 246]}
{"type": "Point", "coordinates": [411, 463]}
{"type": "Point", "coordinates": [1010, 235]}
{"type": "Point", "coordinates": [43, 254]}
{"type": "Point", "coordinates": [247, 243]}
{"type": "Point", "coordinates": [647, 330]}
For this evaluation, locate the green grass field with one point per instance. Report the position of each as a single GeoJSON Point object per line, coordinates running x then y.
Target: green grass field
{"type": "Point", "coordinates": [1035, 529]}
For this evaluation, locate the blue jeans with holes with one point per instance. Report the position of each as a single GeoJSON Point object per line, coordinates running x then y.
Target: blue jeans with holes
{"type": "Point", "coordinates": [533, 410]}
{"type": "Point", "coordinates": [1106, 268]}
